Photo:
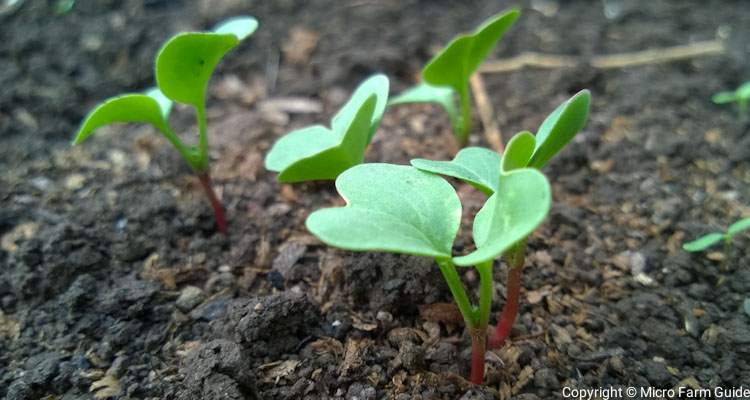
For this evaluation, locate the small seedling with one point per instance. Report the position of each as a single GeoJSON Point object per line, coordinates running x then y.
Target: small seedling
{"type": "Point", "coordinates": [708, 240]}
{"type": "Point", "coordinates": [183, 68]}
{"type": "Point", "coordinates": [740, 97]}
{"type": "Point", "coordinates": [477, 167]}
{"type": "Point", "coordinates": [449, 71]}
{"type": "Point", "coordinates": [320, 153]}
{"type": "Point", "coordinates": [400, 209]}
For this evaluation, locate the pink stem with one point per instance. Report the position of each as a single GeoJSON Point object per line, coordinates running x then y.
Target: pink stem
{"type": "Point", "coordinates": [221, 222]}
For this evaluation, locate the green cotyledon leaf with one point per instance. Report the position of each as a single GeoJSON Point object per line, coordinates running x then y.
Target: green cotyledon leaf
{"type": "Point", "coordinates": [509, 215]}
{"type": "Point", "coordinates": [477, 166]}
{"type": "Point", "coordinates": [241, 26]}
{"type": "Point", "coordinates": [461, 57]}
{"type": "Point", "coordinates": [377, 85]}
{"type": "Point", "coordinates": [559, 128]}
{"type": "Point", "coordinates": [316, 152]}
{"type": "Point", "coordinates": [738, 226]}
{"type": "Point", "coordinates": [332, 154]}
{"type": "Point", "coordinates": [704, 242]}
{"type": "Point", "coordinates": [390, 208]}
{"type": "Point", "coordinates": [518, 152]}
{"type": "Point", "coordinates": [122, 109]}
{"type": "Point", "coordinates": [425, 93]}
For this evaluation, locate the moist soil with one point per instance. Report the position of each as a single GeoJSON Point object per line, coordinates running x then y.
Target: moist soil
{"type": "Point", "coordinates": [114, 283]}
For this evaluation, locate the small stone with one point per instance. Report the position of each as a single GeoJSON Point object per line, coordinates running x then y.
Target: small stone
{"type": "Point", "coordinates": [358, 391]}
{"type": "Point", "coordinates": [656, 373]}
{"type": "Point", "coordinates": [546, 378]}
{"type": "Point", "coordinates": [75, 181]}
{"type": "Point", "coordinates": [190, 296]}
{"type": "Point", "coordinates": [210, 311]}
{"type": "Point", "coordinates": [412, 356]}
{"type": "Point", "coordinates": [384, 316]}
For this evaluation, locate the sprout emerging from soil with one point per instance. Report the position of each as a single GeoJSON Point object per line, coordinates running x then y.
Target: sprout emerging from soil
{"type": "Point", "coordinates": [740, 97]}
{"type": "Point", "coordinates": [449, 71]}
{"type": "Point", "coordinates": [400, 209]}
{"type": "Point", "coordinates": [479, 167]}
{"type": "Point", "coordinates": [319, 153]}
{"type": "Point", "coordinates": [184, 66]}
{"type": "Point", "coordinates": [708, 240]}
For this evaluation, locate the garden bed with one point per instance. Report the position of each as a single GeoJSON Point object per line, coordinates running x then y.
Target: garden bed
{"type": "Point", "coordinates": [115, 284]}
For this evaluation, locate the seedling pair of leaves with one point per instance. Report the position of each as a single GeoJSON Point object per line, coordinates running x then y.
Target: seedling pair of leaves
{"type": "Point", "coordinates": [449, 71]}
{"type": "Point", "coordinates": [411, 210]}
{"type": "Point", "coordinates": [711, 239]}
{"type": "Point", "coordinates": [184, 66]}
{"type": "Point", "coordinates": [320, 153]}
{"type": "Point", "coordinates": [740, 97]}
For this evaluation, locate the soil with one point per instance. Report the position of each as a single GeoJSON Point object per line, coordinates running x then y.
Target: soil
{"type": "Point", "coordinates": [114, 283]}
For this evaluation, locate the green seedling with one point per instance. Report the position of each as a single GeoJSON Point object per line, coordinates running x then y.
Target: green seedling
{"type": "Point", "coordinates": [708, 240]}
{"type": "Point", "coordinates": [448, 73]}
{"type": "Point", "coordinates": [740, 97]}
{"type": "Point", "coordinates": [183, 68]}
{"type": "Point", "coordinates": [478, 167]}
{"type": "Point", "coordinates": [400, 209]}
{"type": "Point", "coordinates": [319, 153]}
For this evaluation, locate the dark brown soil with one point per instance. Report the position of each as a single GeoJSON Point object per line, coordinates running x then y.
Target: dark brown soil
{"type": "Point", "coordinates": [114, 284]}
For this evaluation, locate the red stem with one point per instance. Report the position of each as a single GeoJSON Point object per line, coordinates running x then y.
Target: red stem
{"type": "Point", "coordinates": [510, 310]}
{"type": "Point", "coordinates": [221, 222]}
{"type": "Point", "coordinates": [478, 348]}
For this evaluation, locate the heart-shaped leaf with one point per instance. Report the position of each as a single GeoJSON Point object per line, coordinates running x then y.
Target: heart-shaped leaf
{"type": "Point", "coordinates": [425, 93]}
{"type": "Point", "coordinates": [241, 27]}
{"type": "Point", "coordinates": [376, 85]}
{"type": "Point", "coordinates": [185, 64]}
{"type": "Point", "coordinates": [703, 242]}
{"type": "Point", "coordinates": [509, 215]}
{"type": "Point", "coordinates": [738, 227]}
{"type": "Point", "coordinates": [476, 166]}
{"type": "Point", "coordinates": [461, 57]}
{"type": "Point", "coordinates": [560, 127]}
{"type": "Point", "coordinates": [392, 208]}
{"type": "Point", "coordinates": [316, 153]}
{"type": "Point", "coordinates": [518, 151]}
{"type": "Point", "coordinates": [122, 109]}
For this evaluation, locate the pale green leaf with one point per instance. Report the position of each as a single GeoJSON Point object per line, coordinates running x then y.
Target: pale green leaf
{"type": "Point", "coordinates": [518, 151]}
{"type": "Point", "coordinates": [241, 27]}
{"type": "Point", "coordinates": [329, 162]}
{"type": "Point", "coordinates": [299, 144]}
{"type": "Point", "coordinates": [375, 85]}
{"type": "Point", "coordinates": [704, 242]}
{"type": "Point", "coordinates": [738, 226]}
{"type": "Point", "coordinates": [185, 64]}
{"type": "Point", "coordinates": [122, 109]}
{"type": "Point", "coordinates": [444, 96]}
{"type": "Point", "coordinates": [477, 166]}
{"type": "Point", "coordinates": [559, 128]}
{"type": "Point", "coordinates": [510, 215]}
{"type": "Point", "coordinates": [391, 208]}
{"type": "Point", "coordinates": [461, 57]}
{"type": "Point", "coordinates": [724, 97]}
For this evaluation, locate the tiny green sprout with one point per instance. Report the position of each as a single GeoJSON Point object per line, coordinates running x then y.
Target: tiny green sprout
{"type": "Point", "coordinates": [400, 209]}
{"type": "Point", "coordinates": [740, 97]}
{"type": "Point", "coordinates": [708, 240]}
{"type": "Point", "coordinates": [184, 66]}
{"type": "Point", "coordinates": [478, 167]}
{"type": "Point", "coordinates": [449, 71]}
{"type": "Point", "coordinates": [320, 153]}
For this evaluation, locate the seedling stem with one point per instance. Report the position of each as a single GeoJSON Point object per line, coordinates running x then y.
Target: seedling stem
{"type": "Point", "coordinates": [205, 180]}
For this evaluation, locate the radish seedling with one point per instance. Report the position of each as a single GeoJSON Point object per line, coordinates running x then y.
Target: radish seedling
{"type": "Point", "coordinates": [708, 240]}
{"type": "Point", "coordinates": [320, 153]}
{"type": "Point", "coordinates": [400, 209]}
{"type": "Point", "coordinates": [183, 68]}
{"type": "Point", "coordinates": [449, 71]}
{"type": "Point", "coordinates": [475, 166]}
{"type": "Point", "coordinates": [740, 97]}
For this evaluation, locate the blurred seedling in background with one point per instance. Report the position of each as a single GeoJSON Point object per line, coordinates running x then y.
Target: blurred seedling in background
{"type": "Point", "coordinates": [740, 97]}
{"type": "Point", "coordinates": [480, 167]}
{"type": "Point", "coordinates": [713, 238]}
{"type": "Point", "coordinates": [319, 153]}
{"type": "Point", "coordinates": [449, 71]}
{"type": "Point", "coordinates": [184, 66]}
{"type": "Point", "coordinates": [400, 209]}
